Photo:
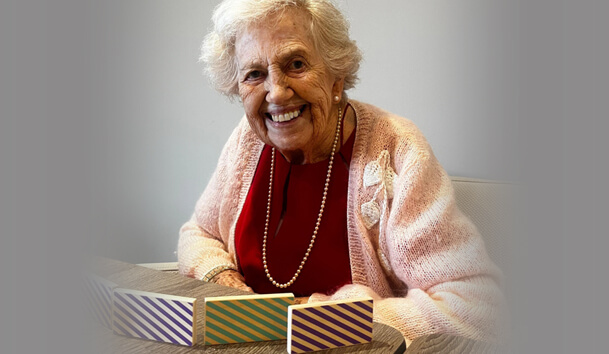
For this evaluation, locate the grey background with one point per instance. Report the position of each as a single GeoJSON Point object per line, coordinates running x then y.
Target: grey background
{"type": "Point", "coordinates": [449, 66]}
{"type": "Point", "coordinates": [102, 109]}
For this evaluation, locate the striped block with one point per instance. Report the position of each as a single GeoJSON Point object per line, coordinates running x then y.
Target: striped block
{"type": "Point", "coordinates": [313, 327]}
{"type": "Point", "coordinates": [98, 293]}
{"type": "Point", "coordinates": [159, 317]}
{"type": "Point", "coordinates": [248, 318]}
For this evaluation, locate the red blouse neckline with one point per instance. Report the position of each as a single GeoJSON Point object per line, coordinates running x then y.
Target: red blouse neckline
{"type": "Point", "coordinates": [296, 198]}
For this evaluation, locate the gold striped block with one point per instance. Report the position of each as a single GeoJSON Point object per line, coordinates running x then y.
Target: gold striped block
{"type": "Point", "coordinates": [313, 327]}
{"type": "Point", "coordinates": [247, 318]}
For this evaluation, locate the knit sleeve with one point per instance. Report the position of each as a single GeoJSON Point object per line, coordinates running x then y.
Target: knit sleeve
{"type": "Point", "coordinates": [203, 242]}
{"type": "Point", "coordinates": [449, 283]}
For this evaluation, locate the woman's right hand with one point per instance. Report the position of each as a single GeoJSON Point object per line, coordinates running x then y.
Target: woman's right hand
{"type": "Point", "coordinates": [233, 279]}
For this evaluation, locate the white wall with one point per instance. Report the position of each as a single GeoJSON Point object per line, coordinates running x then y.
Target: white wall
{"type": "Point", "coordinates": [450, 66]}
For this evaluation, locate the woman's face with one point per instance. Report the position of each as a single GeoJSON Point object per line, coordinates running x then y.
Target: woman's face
{"type": "Point", "coordinates": [286, 90]}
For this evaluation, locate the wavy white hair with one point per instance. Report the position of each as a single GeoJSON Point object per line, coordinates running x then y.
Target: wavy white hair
{"type": "Point", "coordinates": [329, 29]}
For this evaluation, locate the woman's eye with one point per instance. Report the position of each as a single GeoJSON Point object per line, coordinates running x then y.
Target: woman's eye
{"type": "Point", "coordinates": [253, 75]}
{"type": "Point", "coordinates": [297, 65]}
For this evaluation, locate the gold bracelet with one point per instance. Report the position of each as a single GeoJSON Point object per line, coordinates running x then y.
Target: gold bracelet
{"type": "Point", "coordinates": [215, 271]}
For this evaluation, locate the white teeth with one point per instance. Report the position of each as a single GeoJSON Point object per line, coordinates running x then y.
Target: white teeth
{"type": "Point", "coordinates": [285, 117]}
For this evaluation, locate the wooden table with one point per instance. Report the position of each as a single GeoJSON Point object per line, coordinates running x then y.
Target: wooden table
{"type": "Point", "coordinates": [446, 343]}
{"type": "Point", "coordinates": [385, 338]}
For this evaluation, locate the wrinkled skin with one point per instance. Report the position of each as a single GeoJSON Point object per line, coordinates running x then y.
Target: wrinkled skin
{"type": "Point", "coordinates": [280, 71]}
{"type": "Point", "coordinates": [235, 280]}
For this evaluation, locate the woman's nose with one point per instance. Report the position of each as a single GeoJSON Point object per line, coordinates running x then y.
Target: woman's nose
{"type": "Point", "coordinates": [278, 89]}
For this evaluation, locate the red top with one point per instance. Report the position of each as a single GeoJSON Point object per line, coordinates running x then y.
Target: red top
{"type": "Point", "coordinates": [296, 198]}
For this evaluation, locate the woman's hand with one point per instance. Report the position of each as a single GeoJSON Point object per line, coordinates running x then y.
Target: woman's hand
{"type": "Point", "coordinates": [233, 279]}
{"type": "Point", "coordinates": [301, 300]}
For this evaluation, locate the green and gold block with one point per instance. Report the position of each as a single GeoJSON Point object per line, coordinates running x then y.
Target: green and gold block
{"type": "Point", "coordinates": [247, 318]}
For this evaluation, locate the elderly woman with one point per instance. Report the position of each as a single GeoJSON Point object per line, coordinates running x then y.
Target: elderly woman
{"type": "Point", "coordinates": [326, 197]}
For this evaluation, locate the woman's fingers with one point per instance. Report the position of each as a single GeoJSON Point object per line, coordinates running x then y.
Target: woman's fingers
{"type": "Point", "coordinates": [301, 300]}
{"type": "Point", "coordinates": [233, 279]}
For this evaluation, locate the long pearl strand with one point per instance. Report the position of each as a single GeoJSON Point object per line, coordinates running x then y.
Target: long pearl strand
{"type": "Point", "coordinates": [321, 211]}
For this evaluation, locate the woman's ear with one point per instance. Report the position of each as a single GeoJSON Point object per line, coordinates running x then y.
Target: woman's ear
{"type": "Point", "coordinates": [337, 88]}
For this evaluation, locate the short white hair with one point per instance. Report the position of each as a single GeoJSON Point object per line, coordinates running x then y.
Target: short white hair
{"type": "Point", "coordinates": [329, 29]}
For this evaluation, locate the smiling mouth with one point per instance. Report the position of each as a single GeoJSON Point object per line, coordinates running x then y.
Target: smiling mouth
{"type": "Point", "coordinates": [286, 117]}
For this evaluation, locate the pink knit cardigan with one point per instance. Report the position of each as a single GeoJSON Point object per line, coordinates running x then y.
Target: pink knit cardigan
{"type": "Point", "coordinates": [411, 249]}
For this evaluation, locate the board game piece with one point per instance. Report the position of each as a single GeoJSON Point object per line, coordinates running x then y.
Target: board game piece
{"type": "Point", "coordinates": [324, 325]}
{"type": "Point", "coordinates": [153, 316]}
{"type": "Point", "coordinates": [247, 318]}
{"type": "Point", "coordinates": [99, 298]}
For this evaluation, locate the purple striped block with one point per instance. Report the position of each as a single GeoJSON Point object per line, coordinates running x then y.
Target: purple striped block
{"type": "Point", "coordinates": [159, 317]}
{"type": "Point", "coordinates": [313, 327]}
{"type": "Point", "coordinates": [99, 298]}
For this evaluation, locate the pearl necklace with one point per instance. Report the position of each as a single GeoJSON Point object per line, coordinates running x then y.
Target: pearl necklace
{"type": "Point", "coordinates": [321, 211]}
